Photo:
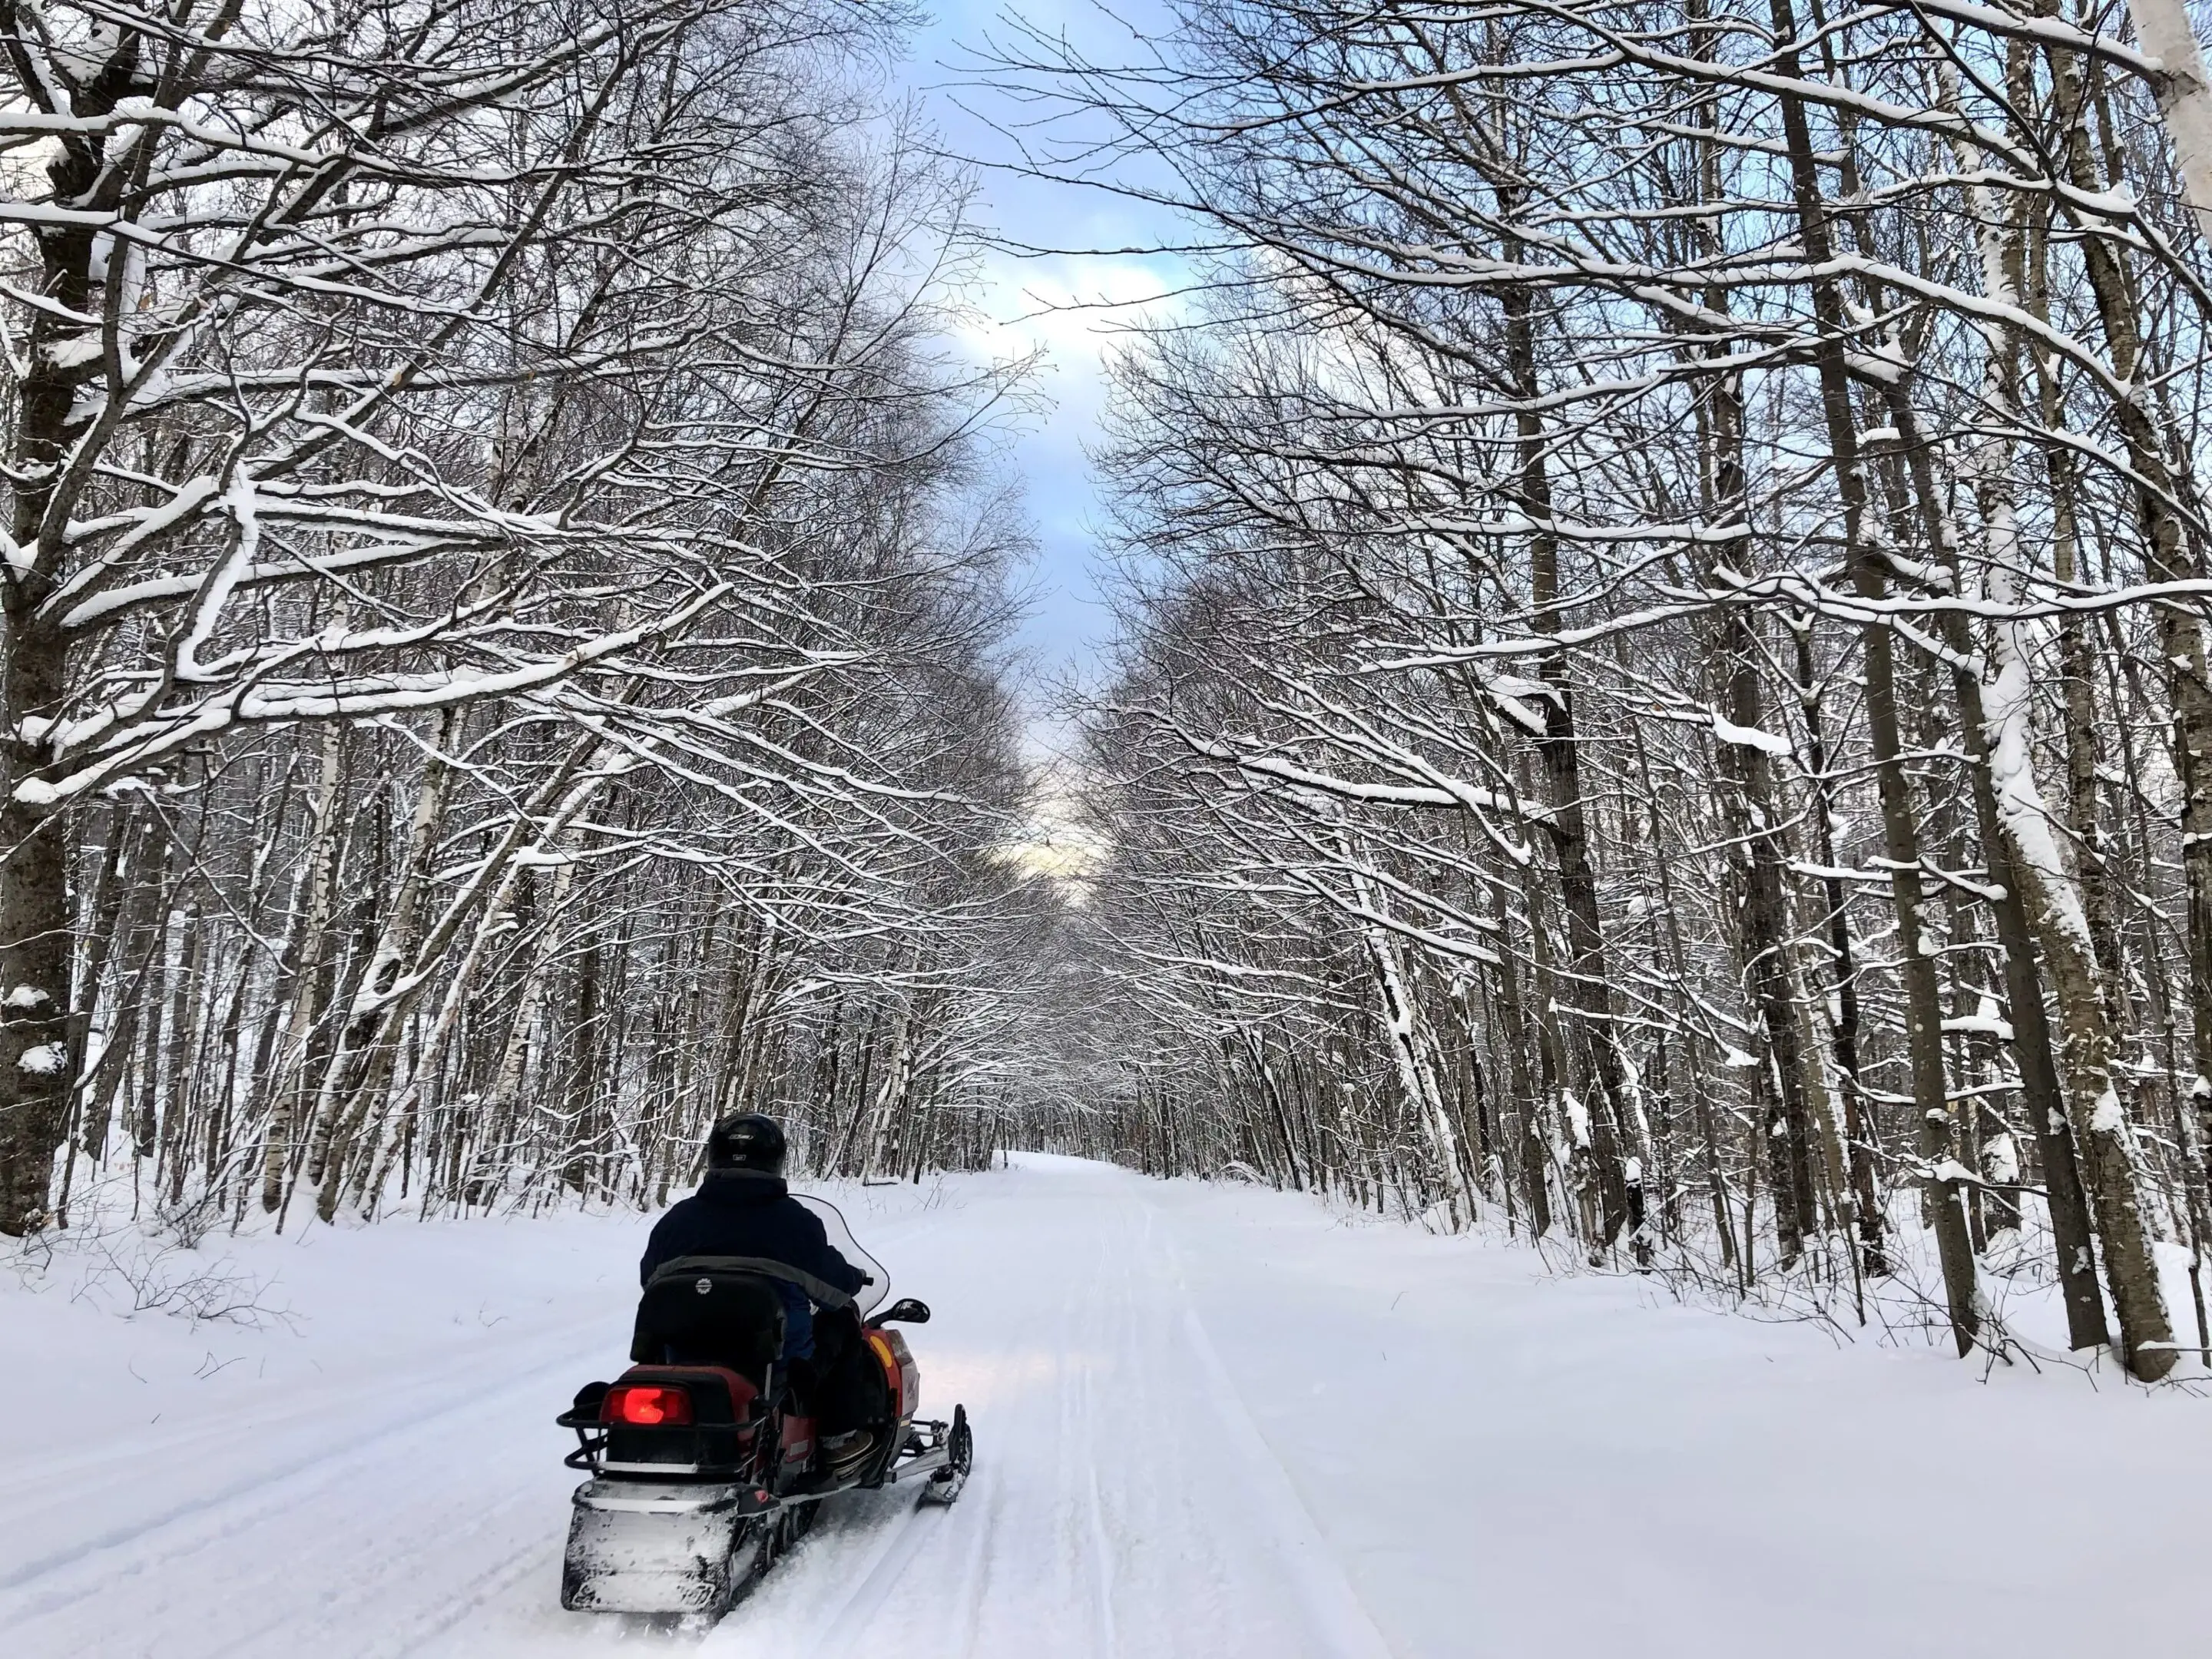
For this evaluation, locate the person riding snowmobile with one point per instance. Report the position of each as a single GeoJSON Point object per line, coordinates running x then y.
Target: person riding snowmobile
{"type": "Point", "coordinates": [744, 1208]}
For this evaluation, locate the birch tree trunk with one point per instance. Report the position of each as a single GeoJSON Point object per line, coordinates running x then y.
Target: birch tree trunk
{"type": "Point", "coordinates": [2184, 98]}
{"type": "Point", "coordinates": [1410, 1049]}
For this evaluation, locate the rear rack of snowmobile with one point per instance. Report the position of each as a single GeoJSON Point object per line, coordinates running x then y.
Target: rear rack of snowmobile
{"type": "Point", "coordinates": [934, 1449]}
{"type": "Point", "coordinates": [590, 1455]}
{"type": "Point", "coordinates": [591, 1439]}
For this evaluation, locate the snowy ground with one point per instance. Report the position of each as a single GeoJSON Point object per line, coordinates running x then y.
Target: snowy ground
{"type": "Point", "coordinates": [1210, 1422]}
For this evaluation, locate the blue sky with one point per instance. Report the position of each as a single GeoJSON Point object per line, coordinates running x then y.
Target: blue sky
{"type": "Point", "coordinates": [1028, 302]}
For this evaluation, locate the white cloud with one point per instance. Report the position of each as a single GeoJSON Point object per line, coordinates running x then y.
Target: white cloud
{"type": "Point", "coordinates": [1054, 841]}
{"type": "Point", "coordinates": [1075, 309]}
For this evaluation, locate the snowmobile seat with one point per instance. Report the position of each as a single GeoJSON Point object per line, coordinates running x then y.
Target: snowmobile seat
{"type": "Point", "coordinates": [697, 1311]}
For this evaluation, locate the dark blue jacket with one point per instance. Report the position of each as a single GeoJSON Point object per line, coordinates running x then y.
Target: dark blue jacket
{"type": "Point", "coordinates": [743, 1212]}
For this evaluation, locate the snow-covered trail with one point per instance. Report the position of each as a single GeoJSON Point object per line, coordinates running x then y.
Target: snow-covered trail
{"type": "Point", "coordinates": [1210, 1421]}
{"type": "Point", "coordinates": [1124, 1501]}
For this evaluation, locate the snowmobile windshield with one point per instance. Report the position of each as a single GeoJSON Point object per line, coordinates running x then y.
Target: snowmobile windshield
{"type": "Point", "coordinates": [869, 1297]}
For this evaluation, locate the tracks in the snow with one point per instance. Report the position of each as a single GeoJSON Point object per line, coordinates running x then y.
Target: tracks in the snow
{"type": "Point", "coordinates": [1124, 1500]}
{"type": "Point", "coordinates": [430, 1405]}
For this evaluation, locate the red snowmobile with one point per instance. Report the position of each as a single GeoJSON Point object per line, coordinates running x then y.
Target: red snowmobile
{"type": "Point", "coordinates": [702, 1474]}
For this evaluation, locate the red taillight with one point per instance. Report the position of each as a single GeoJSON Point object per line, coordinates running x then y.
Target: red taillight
{"type": "Point", "coordinates": [648, 1405]}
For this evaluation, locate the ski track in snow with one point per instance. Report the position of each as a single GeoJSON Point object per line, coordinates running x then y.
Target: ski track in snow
{"type": "Point", "coordinates": [1210, 1422]}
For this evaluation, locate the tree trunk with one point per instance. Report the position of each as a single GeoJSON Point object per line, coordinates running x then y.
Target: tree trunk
{"type": "Point", "coordinates": [1620, 1205]}
{"type": "Point", "coordinates": [1861, 1129]}
{"type": "Point", "coordinates": [2050, 1105]}
{"type": "Point", "coordinates": [1916, 969]}
{"type": "Point", "coordinates": [36, 1066]}
{"type": "Point", "coordinates": [36, 1025]}
{"type": "Point", "coordinates": [304, 971]}
{"type": "Point", "coordinates": [2184, 98]}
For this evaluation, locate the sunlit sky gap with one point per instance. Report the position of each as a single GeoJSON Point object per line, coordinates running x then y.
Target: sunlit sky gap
{"type": "Point", "coordinates": [1069, 306]}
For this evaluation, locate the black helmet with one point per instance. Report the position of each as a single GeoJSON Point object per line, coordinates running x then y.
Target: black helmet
{"type": "Point", "coordinates": [747, 1141]}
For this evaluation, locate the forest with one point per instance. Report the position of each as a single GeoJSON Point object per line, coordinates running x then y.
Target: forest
{"type": "Point", "coordinates": [1658, 700]}
{"type": "Point", "coordinates": [500, 608]}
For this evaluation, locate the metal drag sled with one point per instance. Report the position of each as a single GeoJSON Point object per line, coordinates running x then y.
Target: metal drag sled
{"type": "Point", "coordinates": [702, 1474]}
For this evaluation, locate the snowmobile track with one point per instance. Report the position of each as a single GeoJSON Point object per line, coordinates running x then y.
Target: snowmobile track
{"type": "Point", "coordinates": [232, 1507]}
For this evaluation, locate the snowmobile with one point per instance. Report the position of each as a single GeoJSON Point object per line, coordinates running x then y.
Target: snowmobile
{"type": "Point", "coordinates": [702, 1475]}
